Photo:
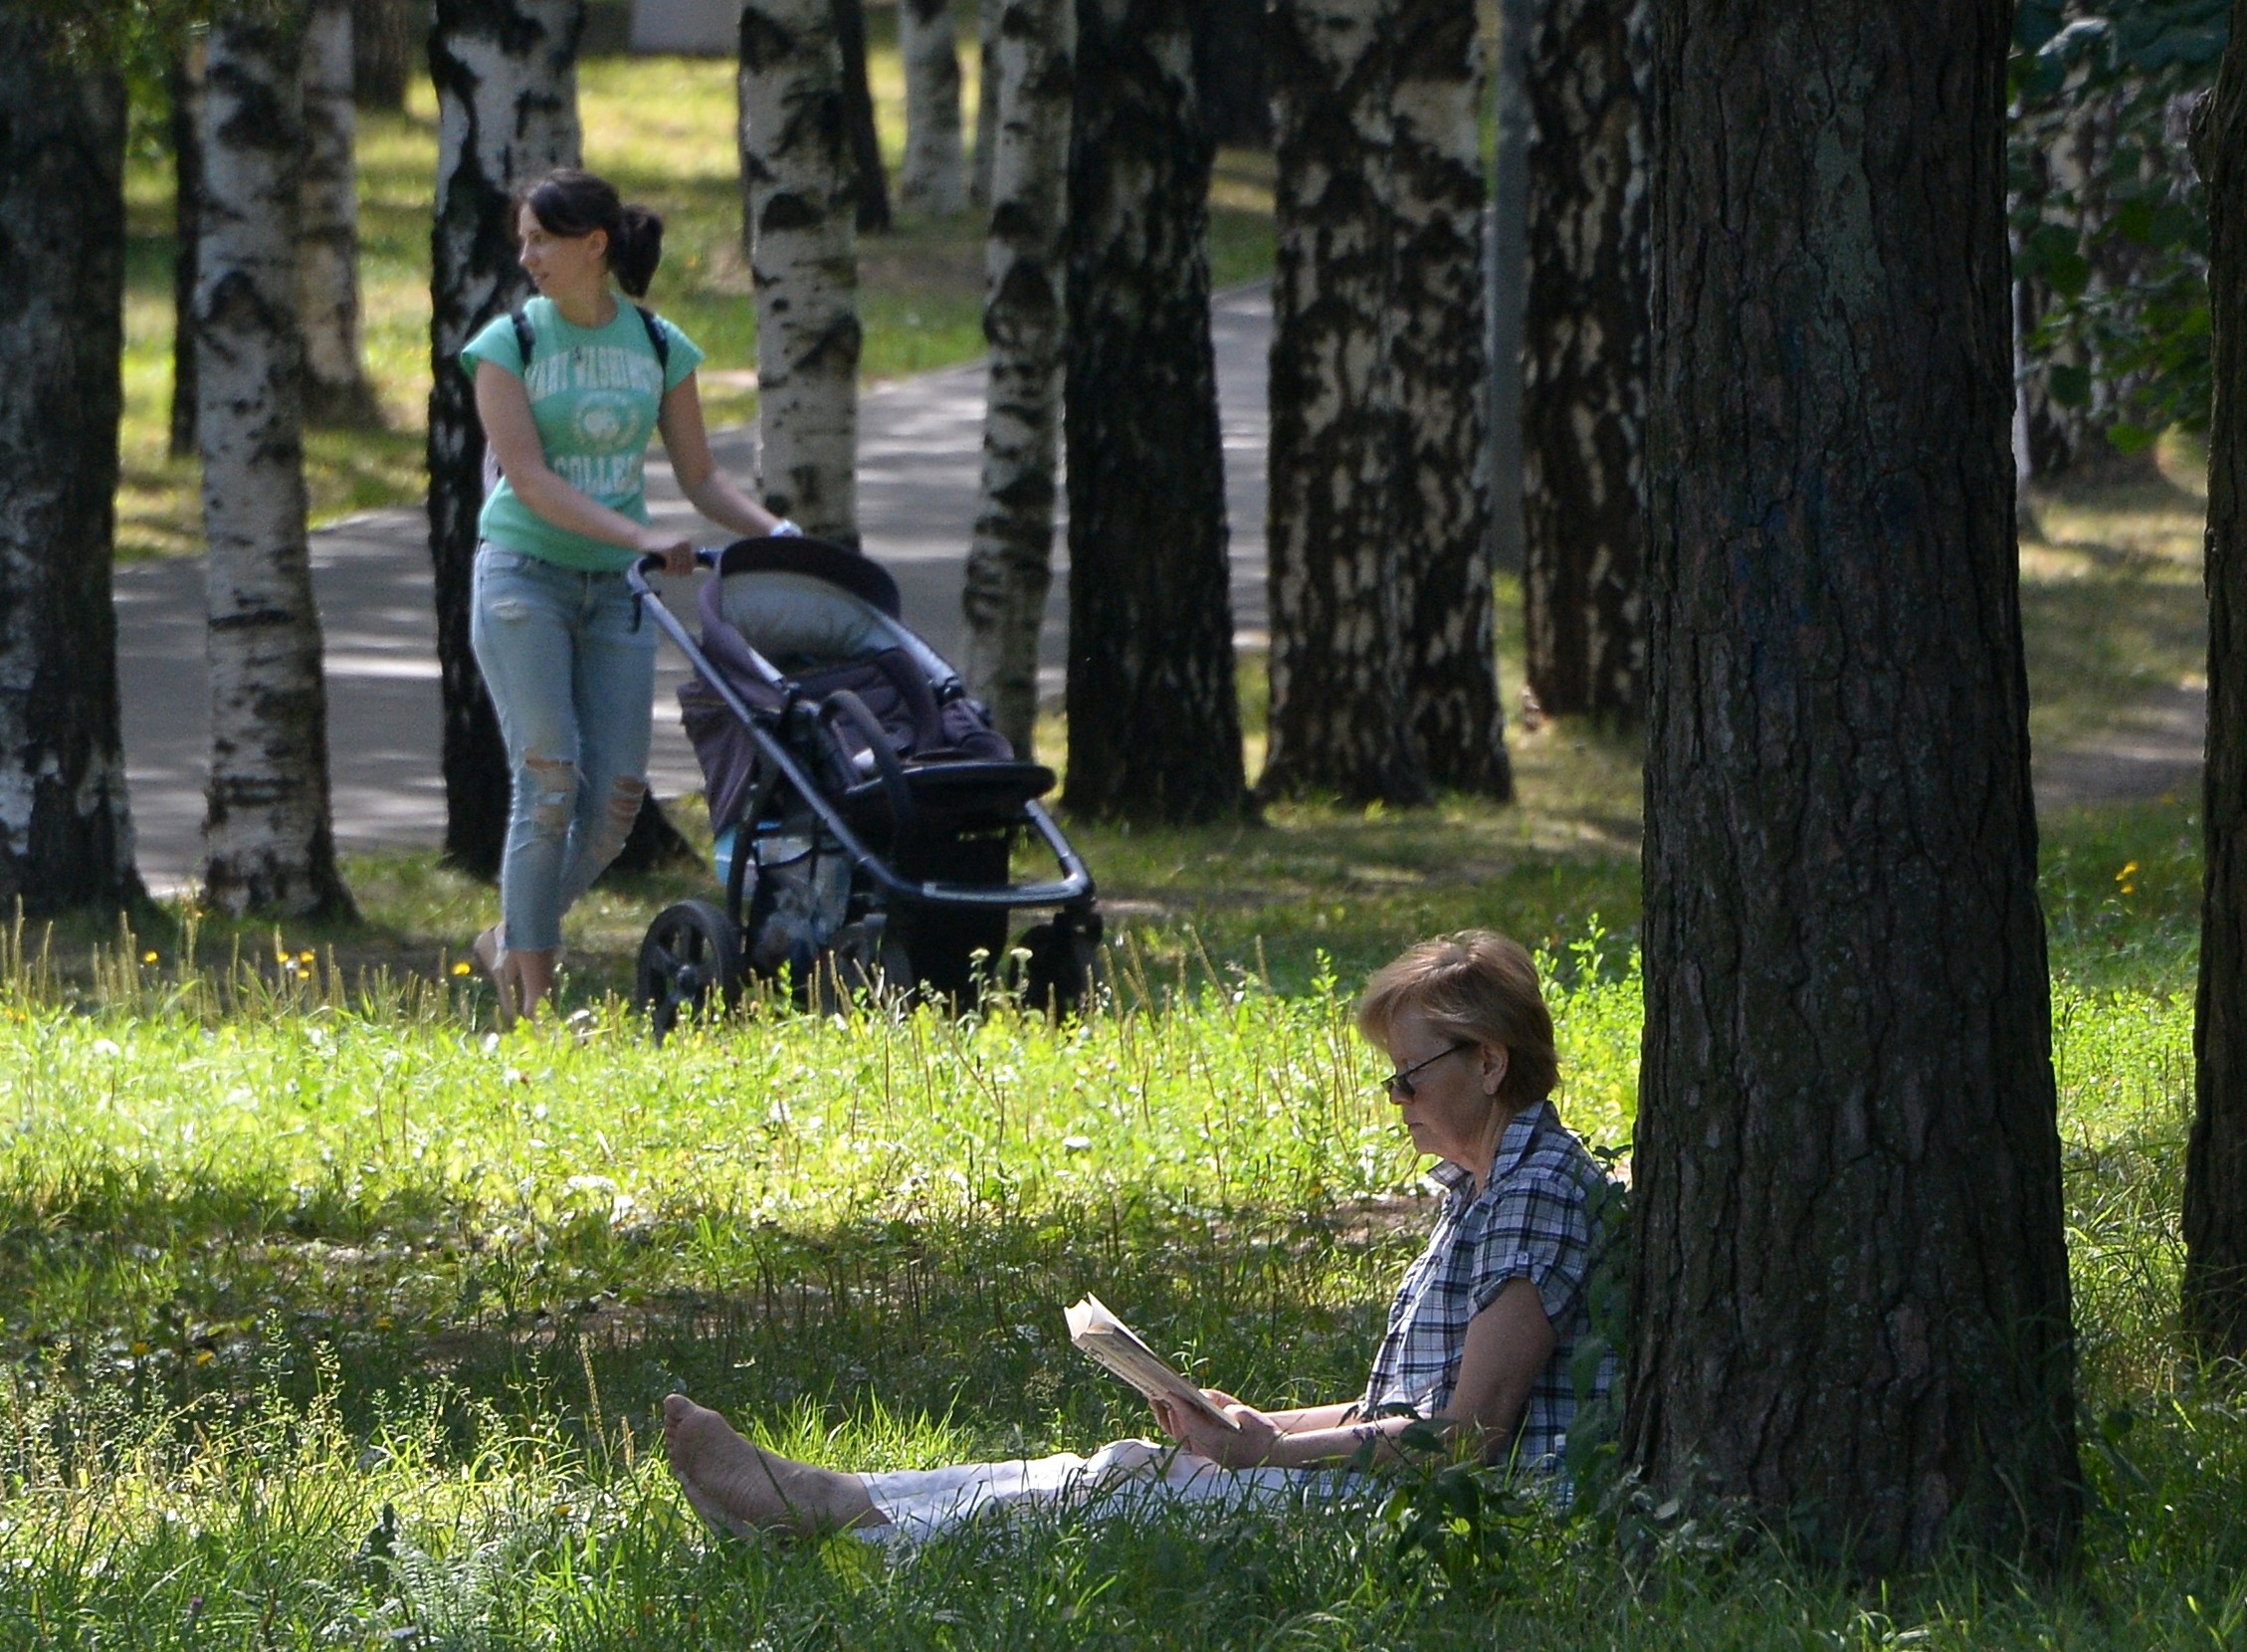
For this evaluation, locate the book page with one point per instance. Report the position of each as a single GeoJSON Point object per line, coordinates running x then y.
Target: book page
{"type": "Point", "coordinates": [1093, 1327]}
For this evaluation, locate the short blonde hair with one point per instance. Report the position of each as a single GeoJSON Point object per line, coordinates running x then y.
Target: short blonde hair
{"type": "Point", "coordinates": [1477, 987]}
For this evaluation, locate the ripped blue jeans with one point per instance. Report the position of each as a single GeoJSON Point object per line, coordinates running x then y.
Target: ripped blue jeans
{"type": "Point", "coordinates": [572, 678]}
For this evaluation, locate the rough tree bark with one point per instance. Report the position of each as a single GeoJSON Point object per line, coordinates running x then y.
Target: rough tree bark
{"type": "Point", "coordinates": [987, 102]}
{"type": "Point", "coordinates": [933, 177]}
{"type": "Point", "coordinates": [795, 169]}
{"type": "Point", "coordinates": [507, 97]}
{"type": "Point", "coordinates": [269, 840]}
{"type": "Point", "coordinates": [1154, 716]}
{"type": "Point", "coordinates": [382, 52]}
{"type": "Point", "coordinates": [1442, 389]}
{"type": "Point", "coordinates": [1584, 358]}
{"type": "Point", "coordinates": [185, 81]}
{"type": "Point", "coordinates": [1850, 1285]}
{"type": "Point", "coordinates": [2215, 1176]}
{"type": "Point", "coordinates": [1509, 278]}
{"type": "Point", "coordinates": [65, 833]}
{"type": "Point", "coordinates": [1029, 80]}
{"type": "Point", "coordinates": [1340, 719]}
{"type": "Point", "coordinates": [1229, 72]}
{"type": "Point", "coordinates": [870, 185]}
{"type": "Point", "coordinates": [337, 388]}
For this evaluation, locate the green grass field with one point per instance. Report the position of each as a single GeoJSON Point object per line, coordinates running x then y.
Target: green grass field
{"type": "Point", "coordinates": [663, 129]}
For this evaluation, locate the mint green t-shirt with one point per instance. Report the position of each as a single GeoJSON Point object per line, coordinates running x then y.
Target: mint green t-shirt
{"type": "Point", "coordinates": [595, 394]}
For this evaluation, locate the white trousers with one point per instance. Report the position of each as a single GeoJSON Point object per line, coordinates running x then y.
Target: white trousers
{"type": "Point", "coordinates": [1120, 1476]}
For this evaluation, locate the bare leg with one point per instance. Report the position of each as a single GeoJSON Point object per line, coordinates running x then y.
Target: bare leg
{"type": "Point", "coordinates": [739, 1487]}
{"type": "Point", "coordinates": [533, 981]}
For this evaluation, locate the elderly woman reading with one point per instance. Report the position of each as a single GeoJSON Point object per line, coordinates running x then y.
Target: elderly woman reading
{"type": "Point", "coordinates": [1479, 1341]}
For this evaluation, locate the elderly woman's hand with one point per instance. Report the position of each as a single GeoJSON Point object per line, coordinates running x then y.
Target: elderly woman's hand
{"type": "Point", "coordinates": [1251, 1446]}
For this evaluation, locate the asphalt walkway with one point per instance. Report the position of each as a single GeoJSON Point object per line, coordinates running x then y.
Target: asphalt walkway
{"type": "Point", "coordinates": [919, 463]}
{"type": "Point", "coordinates": [920, 456]}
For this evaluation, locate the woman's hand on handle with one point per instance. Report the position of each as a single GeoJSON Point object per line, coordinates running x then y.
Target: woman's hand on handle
{"type": "Point", "coordinates": [678, 553]}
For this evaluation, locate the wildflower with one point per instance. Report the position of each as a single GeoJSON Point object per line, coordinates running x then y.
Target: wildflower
{"type": "Point", "coordinates": [461, 967]}
{"type": "Point", "coordinates": [147, 957]}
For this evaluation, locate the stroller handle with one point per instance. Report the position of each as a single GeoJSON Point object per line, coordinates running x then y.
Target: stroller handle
{"type": "Point", "coordinates": [636, 576]}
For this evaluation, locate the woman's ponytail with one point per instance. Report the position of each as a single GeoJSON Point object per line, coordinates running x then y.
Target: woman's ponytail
{"type": "Point", "coordinates": [636, 249]}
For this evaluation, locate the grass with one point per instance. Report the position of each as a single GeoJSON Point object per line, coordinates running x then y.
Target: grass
{"type": "Point", "coordinates": [326, 1318]}
{"type": "Point", "coordinates": [663, 129]}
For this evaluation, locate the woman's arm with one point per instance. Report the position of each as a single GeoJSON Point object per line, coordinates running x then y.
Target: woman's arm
{"type": "Point", "coordinates": [710, 490]}
{"type": "Point", "coordinates": [1507, 1344]}
{"type": "Point", "coordinates": [505, 408]}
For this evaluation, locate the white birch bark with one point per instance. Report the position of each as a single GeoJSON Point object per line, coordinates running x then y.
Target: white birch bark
{"type": "Point", "coordinates": [336, 391]}
{"type": "Point", "coordinates": [933, 180]}
{"type": "Point", "coordinates": [269, 844]}
{"type": "Point", "coordinates": [506, 73]}
{"type": "Point", "coordinates": [795, 167]}
{"type": "Point", "coordinates": [65, 833]}
{"type": "Point", "coordinates": [1029, 78]}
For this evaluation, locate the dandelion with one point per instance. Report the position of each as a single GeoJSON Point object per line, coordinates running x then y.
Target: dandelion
{"type": "Point", "coordinates": [460, 968]}
{"type": "Point", "coordinates": [147, 957]}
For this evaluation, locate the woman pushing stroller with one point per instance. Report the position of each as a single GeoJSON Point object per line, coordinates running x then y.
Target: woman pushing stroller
{"type": "Point", "coordinates": [570, 387]}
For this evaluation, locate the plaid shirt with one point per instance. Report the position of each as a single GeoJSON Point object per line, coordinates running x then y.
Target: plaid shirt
{"type": "Point", "coordinates": [1529, 1222]}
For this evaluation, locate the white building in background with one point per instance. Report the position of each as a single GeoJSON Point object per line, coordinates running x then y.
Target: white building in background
{"type": "Point", "coordinates": [692, 28]}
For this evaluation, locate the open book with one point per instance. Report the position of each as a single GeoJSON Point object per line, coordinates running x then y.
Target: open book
{"type": "Point", "coordinates": [1115, 1344]}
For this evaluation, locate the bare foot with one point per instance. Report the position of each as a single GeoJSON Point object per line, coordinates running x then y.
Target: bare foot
{"type": "Point", "coordinates": [740, 1488]}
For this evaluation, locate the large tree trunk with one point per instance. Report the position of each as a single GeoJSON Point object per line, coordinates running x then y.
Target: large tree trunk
{"type": "Point", "coordinates": [1010, 562]}
{"type": "Point", "coordinates": [934, 179]}
{"type": "Point", "coordinates": [1442, 469]}
{"type": "Point", "coordinates": [337, 388]}
{"type": "Point", "coordinates": [65, 834]}
{"type": "Point", "coordinates": [1509, 278]}
{"type": "Point", "coordinates": [1850, 1284]}
{"type": "Point", "coordinates": [1229, 72]}
{"type": "Point", "coordinates": [795, 167]}
{"type": "Point", "coordinates": [1154, 715]}
{"type": "Point", "coordinates": [1583, 358]}
{"type": "Point", "coordinates": [383, 51]}
{"type": "Point", "coordinates": [185, 81]}
{"type": "Point", "coordinates": [268, 841]}
{"type": "Point", "coordinates": [2216, 1177]}
{"type": "Point", "coordinates": [507, 97]}
{"type": "Point", "coordinates": [869, 183]}
{"type": "Point", "coordinates": [1341, 717]}
{"type": "Point", "coordinates": [988, 100]}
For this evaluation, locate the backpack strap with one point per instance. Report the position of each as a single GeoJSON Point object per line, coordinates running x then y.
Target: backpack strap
{"type": "Point", "coordinates": [656, 338]}
{"type": "Point", "coordinates": [525, 340]}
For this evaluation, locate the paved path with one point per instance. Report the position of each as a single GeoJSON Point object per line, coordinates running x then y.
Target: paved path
{"type": "Point", "coordinates": [919, 457]}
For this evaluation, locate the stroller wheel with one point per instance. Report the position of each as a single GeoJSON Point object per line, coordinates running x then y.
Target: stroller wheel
{"type": "Point", "coordinates": [1064, 970]}
{"type": "Point", "coordinates": [689, 962]}
{"type": "Point", "coordinates": [861, 960]}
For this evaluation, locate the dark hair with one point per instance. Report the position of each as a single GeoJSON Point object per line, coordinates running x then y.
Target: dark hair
{"type": "Point", "coordinates": [570, 202]}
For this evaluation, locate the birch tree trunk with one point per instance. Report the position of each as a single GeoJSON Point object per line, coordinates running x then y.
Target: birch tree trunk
{"type": "Point", "coordinates": [65, 833]}
{"type": "Point", "coordinates": [1442, 390]}
{"type": "Point", "coordinates": [1584, 358]}
{"type": "Point", "coordinates": [337, 388]}
{"type": "Point", "coordinates": [2215, 1172]}
{"type": "Point", "coordinates": [987, 101]}
{"type": "Point", "coordinates": [1341, 718]}
{"type": "Point", "coordinates": [269, 843]}
{"type": "Point", "coordinates": [795, 167]}
{"type": "Point", "coordinates": [869, 183]}
{"type": "Point", "coordinates": [1509, 278]}
{"type": "Point", "coordinates": [383, 51]}
{"type": "Point", "coordinates": [1229, 72]}
{"type": "Point", "coordinates": [1029, 80]}
{"type": "Point", "coordinates": [932, 179]}
{"type": "Point", "coordinates": [1154, 716]}
{"type": "Point", "coordinates": [507, 110]}
{"type": "Point", "coordinates": [186, 85]}
{"type": "Point", "coordinates": [1850, 1279]}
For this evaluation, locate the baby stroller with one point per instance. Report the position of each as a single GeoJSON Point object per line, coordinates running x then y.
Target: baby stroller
{"type": "Point", "coordinates": [864, 809]}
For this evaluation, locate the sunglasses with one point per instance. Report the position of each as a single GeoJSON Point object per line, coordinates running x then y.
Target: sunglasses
{"type": "Point", "coordinates": [1400, 1084]}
